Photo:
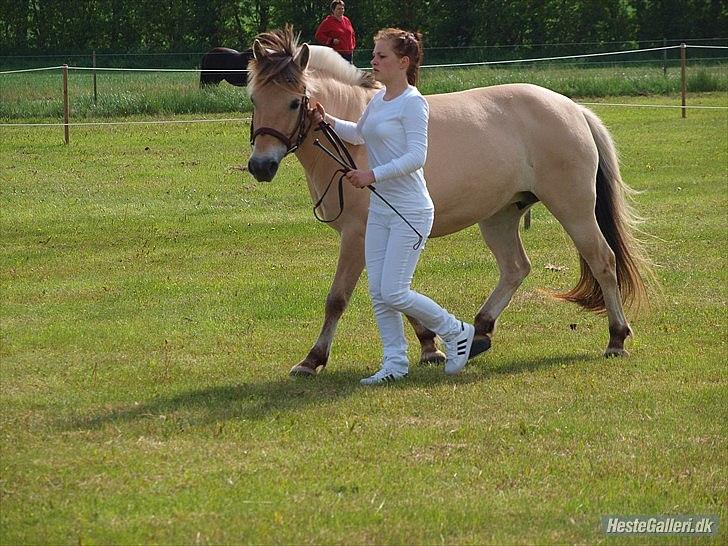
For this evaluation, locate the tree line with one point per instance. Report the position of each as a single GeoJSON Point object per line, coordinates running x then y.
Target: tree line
{"type": "Point", "coordinates": [143, 26]}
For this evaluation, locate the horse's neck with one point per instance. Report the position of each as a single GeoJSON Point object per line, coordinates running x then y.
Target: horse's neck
{"type": "Point", "coordinates": [343, 101]}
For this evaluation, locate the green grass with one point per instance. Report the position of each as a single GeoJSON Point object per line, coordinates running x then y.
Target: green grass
{"type": "Point", "coordinates": [154, 297]}
{"type": "Point", "coordinates": [40, 94]}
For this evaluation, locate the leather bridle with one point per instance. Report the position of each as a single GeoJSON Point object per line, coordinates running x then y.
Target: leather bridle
{"type": "Point", "coordinates": [299, 132]}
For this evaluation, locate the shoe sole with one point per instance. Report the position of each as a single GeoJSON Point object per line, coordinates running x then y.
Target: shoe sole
{"type": "Point", "coordinates": [385, 382]}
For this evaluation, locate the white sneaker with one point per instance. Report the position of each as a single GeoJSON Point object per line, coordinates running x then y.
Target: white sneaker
{"type": "Point", "coordinates": [458, 349]}
{"type": "Point", "coordinates": [385, 375]}
{"type": "Point", "coordinates": [463, 347]}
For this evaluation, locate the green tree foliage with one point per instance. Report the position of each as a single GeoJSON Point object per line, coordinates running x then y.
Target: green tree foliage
{"type": "Point", "coordinates": [63, 26]}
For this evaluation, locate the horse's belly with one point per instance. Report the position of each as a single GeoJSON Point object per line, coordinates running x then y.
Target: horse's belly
{"type": "Point", "coordinates": [474, 178]}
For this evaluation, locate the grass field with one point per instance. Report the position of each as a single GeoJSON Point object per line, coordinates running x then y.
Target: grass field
{"type": "Point", "coordinates": [154, 297]}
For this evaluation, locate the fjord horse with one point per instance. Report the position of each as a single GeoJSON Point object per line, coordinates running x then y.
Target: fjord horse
{"type": "Point", "coordinates": [492, 153]}
{"type": "Point", "coordinates": [222, 63]}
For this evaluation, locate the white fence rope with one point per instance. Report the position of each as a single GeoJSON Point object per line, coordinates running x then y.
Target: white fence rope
{"type": "Point", "coordinates": [697, 107]}
{"type": "Point", "coordinates": [452, 65]}
{"type": "Point", "coordinates": [31, 70]}
{"type": "Point", "coordinates": [156, 69]}
{"type": "Point", "coordinates": [562, 57]}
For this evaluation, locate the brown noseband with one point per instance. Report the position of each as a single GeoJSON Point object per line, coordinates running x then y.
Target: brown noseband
{"type": "Point", "coordinates": [301, 129]}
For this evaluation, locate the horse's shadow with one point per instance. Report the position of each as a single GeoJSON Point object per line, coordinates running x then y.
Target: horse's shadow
{"type": "Point", "coordinates": [266, 399]}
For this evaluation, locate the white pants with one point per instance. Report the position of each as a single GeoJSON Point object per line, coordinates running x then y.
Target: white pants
{"type": "Point", "coordinates": [391, 262]}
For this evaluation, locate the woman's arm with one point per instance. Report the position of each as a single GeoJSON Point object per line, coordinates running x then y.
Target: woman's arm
{"type": "Point", "coordinates": [348, 130]}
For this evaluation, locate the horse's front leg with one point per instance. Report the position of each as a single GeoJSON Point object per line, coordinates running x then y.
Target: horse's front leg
{"type": "Point", "coordinates": [348, 271]}
{"type": "Point", "coordinates": [429, 354]}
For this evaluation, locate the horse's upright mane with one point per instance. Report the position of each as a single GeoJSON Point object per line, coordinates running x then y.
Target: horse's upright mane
{"type": "Point", "coordinates": [326, 60]}
{"type": "Point", "coordinates": [276, 63]}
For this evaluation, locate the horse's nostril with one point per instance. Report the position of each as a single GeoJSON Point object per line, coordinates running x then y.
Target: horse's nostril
{"type": "Point", "coordinates": [263, 169]}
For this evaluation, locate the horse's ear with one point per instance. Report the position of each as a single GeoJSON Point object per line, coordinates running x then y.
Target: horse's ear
{"type": "Point", "coordinates": [302, 56]}
{"type": "Point", "coordinates": [258, 50]}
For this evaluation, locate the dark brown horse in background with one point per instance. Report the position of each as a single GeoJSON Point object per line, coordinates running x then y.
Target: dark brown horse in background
{"type": "Point", "coordinates": [222, 63]}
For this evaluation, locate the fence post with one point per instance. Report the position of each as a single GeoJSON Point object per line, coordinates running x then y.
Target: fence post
{"type": "Point", "coordinates": [664, 57]}
{"type": "Point", "coordinates": [65, 103]}
{"type": "Point", "coordinates": [94, 73]}
{"type": "Point", "coordinates": [683, 85]}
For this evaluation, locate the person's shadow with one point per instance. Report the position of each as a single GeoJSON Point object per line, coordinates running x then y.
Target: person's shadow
{"type": "Point", "coordinates": [260, 400]}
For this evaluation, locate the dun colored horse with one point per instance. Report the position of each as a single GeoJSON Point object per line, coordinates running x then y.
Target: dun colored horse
{"type": "Point", "coordinates": [492, 153]}
{"type": "Point", "coordinates": [218, 63]}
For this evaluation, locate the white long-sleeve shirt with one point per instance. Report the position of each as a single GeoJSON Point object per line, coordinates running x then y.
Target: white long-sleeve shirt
{"type": "Point", "coordinates": [395, 133]}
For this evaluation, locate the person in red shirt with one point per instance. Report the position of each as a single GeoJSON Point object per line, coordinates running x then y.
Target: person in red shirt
{"type": "Point", "coordinates": [336, 31]}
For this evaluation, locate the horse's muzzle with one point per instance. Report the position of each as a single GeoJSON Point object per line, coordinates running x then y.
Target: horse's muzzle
{"type": "Point", "coordinates": [263, 168]}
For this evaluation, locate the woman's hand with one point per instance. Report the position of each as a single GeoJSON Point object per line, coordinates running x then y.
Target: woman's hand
{"type": "Point", "coordinates": [317, 113]}
{"type": "Point", "coordinates": [360, 179]}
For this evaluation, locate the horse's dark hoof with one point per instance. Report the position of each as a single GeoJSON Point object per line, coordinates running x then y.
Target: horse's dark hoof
{"type": "Point", "coordinates": [480, 345]}
{"type": "Point", "coordinates": [303, 371]}
{"type": "Point", "coordinates": [435, 358]}
{"type": "Point", "coordinates": [614, 352]}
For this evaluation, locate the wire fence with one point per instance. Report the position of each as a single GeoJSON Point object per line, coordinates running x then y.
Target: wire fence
{"type": "Point", "coordinates": [446, 66]}
{"type": "Point", "coordinates": [433, 55]}
{"type": "Point", "coordinates": [579, 56]}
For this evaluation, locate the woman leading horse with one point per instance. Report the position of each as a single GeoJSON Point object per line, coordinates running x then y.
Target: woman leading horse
{"type": "Point", "coordinates": [492, 153]}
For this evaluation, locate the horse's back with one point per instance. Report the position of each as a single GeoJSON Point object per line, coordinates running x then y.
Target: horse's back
{"type": "Point", "coordinates": [508, 104]}
{"type": "Point", "coordinates": [490, 144]}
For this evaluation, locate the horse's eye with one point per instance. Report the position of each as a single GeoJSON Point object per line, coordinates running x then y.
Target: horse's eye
{"type": "Point", "coordinates": [295, 104]}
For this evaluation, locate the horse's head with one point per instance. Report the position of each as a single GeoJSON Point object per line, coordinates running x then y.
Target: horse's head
{"type": "Point", "coordinates": [277, 89]}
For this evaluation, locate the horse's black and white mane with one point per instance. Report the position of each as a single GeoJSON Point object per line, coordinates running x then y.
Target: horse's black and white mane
{"type": "Point", "coordinates": [277, 64]}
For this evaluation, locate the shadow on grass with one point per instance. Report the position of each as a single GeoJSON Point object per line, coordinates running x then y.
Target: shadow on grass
{"type": "Point", "coordinates": [536, 364]}
{"type": "Point", "coordinates": [255, 401]}
{"type": "Point", "coordinates": [251, 401]}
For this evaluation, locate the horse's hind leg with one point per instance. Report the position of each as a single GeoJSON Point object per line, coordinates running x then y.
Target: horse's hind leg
{"type": "Point", "coordinates": [500, 233]}
{"type": "Point", "coordinates": [430, 353]}
{"type": "Point", "coordinates": [577, 217]}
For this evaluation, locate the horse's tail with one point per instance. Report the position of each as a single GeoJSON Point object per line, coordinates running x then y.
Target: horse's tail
{"type": "Point", "coordinates": [618, 223]}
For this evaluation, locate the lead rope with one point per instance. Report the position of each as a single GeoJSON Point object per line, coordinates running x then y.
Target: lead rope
{"type": "Point", "coordinates": [347, 164]}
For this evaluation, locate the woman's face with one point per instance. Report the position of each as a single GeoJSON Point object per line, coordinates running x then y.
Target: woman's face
{"type": "Point", "coordinates": [339, 11]}
{"type": "Point", "coordinates": [386, 65]}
